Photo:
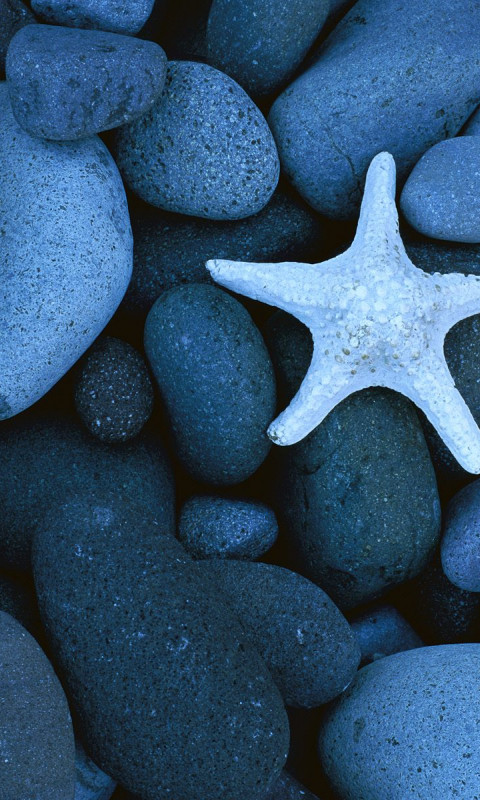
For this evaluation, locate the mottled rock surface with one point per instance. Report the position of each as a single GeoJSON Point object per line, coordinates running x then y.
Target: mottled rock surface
{"type": "Point", "coordinates": [13, 15]}
{"type": "Point", "coordinates": [382, 631]}
{"type": "Point", "coordinates": [108, 15]}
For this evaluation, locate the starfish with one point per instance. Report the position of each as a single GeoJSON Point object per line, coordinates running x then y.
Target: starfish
{"type": "Point", "coordinates": [376, 320]}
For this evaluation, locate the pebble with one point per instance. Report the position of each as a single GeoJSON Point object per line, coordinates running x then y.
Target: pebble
{"type": "Point", "coordinates": [204, 148]}
{"type": "Point", "coordinates": [220, 527]}
{"type": "Point", "coordinates": [357, 498]}
{"type": "Point", "coordinates": [407, 728]}
{"type": "Point", "coordinates": [66, 256]}
{"type": "Point", "coordinates": [382, 631]}
{"type": "Point", "coordinates": [45, 459]}
{"type": "Point", "coordinates": [441, 197]}
{"type": "Point", "coordinates": [375, 86]}
{"type": "Point", "coordinates": [113, 390]}
{"type": "Point", "coordinates": [305, 641]}
{"type": "Point", "coordinates": [37, 752]}
{"type": "Point", "coordinates": [460, 547]}
{"type": "Point", "coordinates": [108, 15]}
{"type": "Point", "coordinates": [67, 84]}
{"type": "Point", "coordinates": [216, 381]}
{"type": "Point", "coordinates": [170, 249]}
{"type": "Point", "coordinates": [261, 44]}
{"type": "Point", "coordinates": [169, 696]}
{"type": "Point", "coordinates": [13, 15]}
{"type": "Point", "coordinates": [91, 783]}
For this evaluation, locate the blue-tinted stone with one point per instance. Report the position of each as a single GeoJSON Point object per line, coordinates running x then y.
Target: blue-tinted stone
{"type": "Point", "coordinates": [382, 631]}
{"type": "Point", "coordinates": [67, 84]}
{"type": "Point", "coordinates": [260, 43]}
{"type": "Point", "coordinates": [13, 15]}
{"type": "Point", "coordinates": [204, 149]}
{"type": "Point", "coordinates": [288, 788]}
{"type": "Point", "coordinates": [406, 728]}
{"type": "Point", "coordinates": [395, 77]}
{"type": "Point", "coordinates": [91, 783]}
{"type": "Point", "coordinates": [108, 15]}
{"type": "Point", "coordinates": [460, 547]}
{"type": "Point", "coordinates": [216, 380]}
{"type": "Point", "coordinates": [220, 527]}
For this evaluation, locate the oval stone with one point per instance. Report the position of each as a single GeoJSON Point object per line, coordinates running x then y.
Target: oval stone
{"type": "Point", "coordinates": [306, 643]}
{"type": "Point", "coordinates": [407, 727]}
{"type": "Point", "coordinates": [216, 380]}
{"type": "Point", "coordinates": [374, 86]}
{"type": "Point", "coordinates": [168, 694]}
{"type": "Point", "coordinates": [460, 547]}
{"type": "Point", "coordinates": [37, 748]}
{"type": "Point", "coordinates": [204, 148]}
{"type": "Point", "coordinates": [108, 15]}
{"type": "Point", "coordinates": [67, 84]}
{"type": "Point", "coordinates": [65, 260]}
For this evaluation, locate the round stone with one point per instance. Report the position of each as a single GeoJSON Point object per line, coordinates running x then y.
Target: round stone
{"type": "Point", "coordinates": [113, 391]}
{"type": "Point", "coordinates": [382, 631]}
{"type": "Point", "coordinates": [460, 547]}
{"type": "Point", "coordinates": [108, 15]}
{"type": "Point", "coordinates": [203, 149]}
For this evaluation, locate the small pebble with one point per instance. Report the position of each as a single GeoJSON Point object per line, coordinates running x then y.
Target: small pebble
{"type": "Point", "coordinates": [203, 149]}
{"type": "Point", "coordinates": [108, 15]}
{"type": "Point", "coordinates": [219, 527]}
{"type": "Point", "coordinates": [382, 631]}
{"type": "Point", "coordinates": [91, 783]}
{"type": "Point", "coordinates": [460, 547]}
{"type": "Point", "coordinates": [67, 84]}
{"type": "Point", "coordinates": [113, 391]}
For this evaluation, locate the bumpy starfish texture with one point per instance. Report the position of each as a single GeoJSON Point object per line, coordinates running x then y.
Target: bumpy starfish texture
{"type": "Point", "coordinates": [376, 320]}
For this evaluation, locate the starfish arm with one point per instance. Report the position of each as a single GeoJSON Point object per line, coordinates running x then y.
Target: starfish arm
{"type": "Point", "coordinates": [322, 389]}
{"type": "Point", "coordinates": [378, 220]}
{"type": "Point", "coordinates": [432, 388]}
{"type": "Point", "coordinates": [457, 297]}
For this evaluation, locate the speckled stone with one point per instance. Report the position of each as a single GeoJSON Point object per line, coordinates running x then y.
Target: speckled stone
{"type": "Point", "coordinates": [407, 728]}
{"type": "Point", "coordinates": [358, 497]}
{"type": "Point", "coordinates": [382, 631]}
{"type": "Point", "coordinates": [216, 380]}
{"type": "Point", "coordinates": [170, 698]}
{"type": "Point", "coordinates": [288, 788]}
{"type": "Point", "coordinates": [45, 459]}
{"type": "Point", "coordinates": [220, 527]}
{"type": "Point", "coordinates": [13, 15]}
{"type": "Point", "coordinates": [37, 749]}
{"type": "Point", "coordinates": [66, 256]}
{"type": "Point", "coordinates": [460, 546]}
{"type": "Point", "coordinates": [306, 643]}
{"type": "Point", "coordinates": [170, 249]}
{"type": "Point", "coordinates": [204, 149]}
{"type": "Point", "coordinates": [108, 15]}
{"type": "Point", "coordinates": [113, 390]}
{"type": "Point", "coordinates": [260, 44]}
{"type": "Point", "coordinates": [396, 77]}
{"type": "Point", "coordinates": [91, 783]}
{"type": "Point", "coordinates": [441, 197]}
{"type": "Point", "coordinates": [66, 84]}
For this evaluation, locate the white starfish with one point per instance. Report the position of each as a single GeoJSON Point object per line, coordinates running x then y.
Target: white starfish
{"type": "Point", "coordinates": [376, 320]}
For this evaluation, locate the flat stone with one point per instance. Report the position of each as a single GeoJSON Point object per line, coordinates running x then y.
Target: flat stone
{"type": "Point", "coordinates": [67, 84]}
{"type": "Point", "coordinates": [66, 256]}
{"type": "Point", "coordinates": [382, 631]}
{"type": "Point", "coordinates": [460, 547]}
{"type": "Point", "coordinates": [13, 15]}
{"type": "Point", "coordinates": [261, 44]}
{"type": "Point", "coordinates": [37, 751]}
{"type": "Point", "coordinates": [220, 527]}
{"type": "Point", "coordinates": [109, 15]}
{"type": "Point", "coordinates": [204, 148]}
{"type": "Point", "coordinates": [375, 87]}
{"type": "Point", "coordinates": [216, 381]}
{"type": "Point", "coordinates": [407, 727]}
{"type": "Point", "coordinates": [169, 696]}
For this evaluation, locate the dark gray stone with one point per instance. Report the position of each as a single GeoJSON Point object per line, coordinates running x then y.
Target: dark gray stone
{"type": "Point", "coordinates": [407, 727]}
{"type": "Point", "coordinates": [441, 197]}
{"type": "Point", "coordinates": [382, 631]}
{"type": "Point", "coordinates": [204, 148]}
{"type": "Point", "coordinates": [170, 698]}
{"type": "Point", "coordinates": [43, 460]}
{"type": "Point", "coordinates": [306, 643]}
{"type": "Point", "coordinates": [37, 750]}
{"type": "Point", "coordinates": [460, 547]}
{"type": "Point", "coordinates": [216, 380]}
{"type": "Point", "coordinates": [399, 76]}
{"type": "Point", "coordinates": [65, 257]}
{"type": "Point", "coordinates": [91, 783]}
{"type": "Point", "coordinates": [113, 390]}
{"type": "Point", "coordinates": [220, 527]}
{"type": "Point", "coordinates": [170, 249]}
{"type": "Point", "coordinates": [260, 43]}
{"type": "Point", "coordinates": [13, 15]}
{"type": "Point", "coordinates": [108, 15]}
{"type": "Point", "coordinates": [357, 497]}
{"type": "Point", "coordinates": [67, 84]}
